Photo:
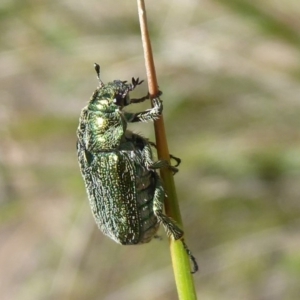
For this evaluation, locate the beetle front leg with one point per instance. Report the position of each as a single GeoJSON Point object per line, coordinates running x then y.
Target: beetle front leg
{"type": "Point", "coordinates": [148, 115]}
{"type": "Point", "coordinates": [142, 99]}
{"type": "Point", "coordinates": [139, 100]}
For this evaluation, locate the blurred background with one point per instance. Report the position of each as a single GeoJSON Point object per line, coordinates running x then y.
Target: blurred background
{"type": "Point", "coordinates": [230, 74]}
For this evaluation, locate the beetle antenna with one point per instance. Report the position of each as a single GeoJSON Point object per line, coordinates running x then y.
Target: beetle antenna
{"type": "Point", "coordinates": [97, 68]}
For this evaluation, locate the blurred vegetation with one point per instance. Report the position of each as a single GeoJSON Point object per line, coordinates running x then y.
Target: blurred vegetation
{"type": "Point", "coordinates": [230, 74]}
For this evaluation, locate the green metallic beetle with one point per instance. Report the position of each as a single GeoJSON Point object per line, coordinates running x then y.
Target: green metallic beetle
{"type": "Point", "coordinates": [125, 192]}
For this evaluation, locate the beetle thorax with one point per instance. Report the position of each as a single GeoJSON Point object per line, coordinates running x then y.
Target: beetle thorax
{"type": "Point", "coordinates": [108, 129]}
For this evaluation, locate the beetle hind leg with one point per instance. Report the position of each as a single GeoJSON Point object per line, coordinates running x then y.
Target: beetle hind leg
{"type": "Point", "coordinates": [170, 226]}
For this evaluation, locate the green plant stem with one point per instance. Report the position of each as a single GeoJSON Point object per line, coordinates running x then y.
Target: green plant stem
{"type": "Point", "coordinates": [181, 265]}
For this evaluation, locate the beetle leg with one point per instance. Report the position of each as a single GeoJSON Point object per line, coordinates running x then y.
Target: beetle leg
{"type": "Point", "coordinates": [169, 225]}
{"type": "Point", "coordinates": [147, 154]}
{"type": "Point", "coordinates": [139, 100]}
{"type": "Point", "coordinates": [147, 115]}
{"type": "Point", "coordinates": [177, 159]}
{"type": "Point", "coordinates": [191, 256]}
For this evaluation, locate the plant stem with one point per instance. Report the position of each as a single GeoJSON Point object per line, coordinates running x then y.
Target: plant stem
{"type": "Point", "coordinates": [180, 261]}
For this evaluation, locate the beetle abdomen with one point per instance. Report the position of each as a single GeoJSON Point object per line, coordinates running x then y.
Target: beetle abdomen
{"type": "Point", "coordinates": [120, 192]}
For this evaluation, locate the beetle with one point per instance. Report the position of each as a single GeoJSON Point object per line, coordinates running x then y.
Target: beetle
{"type": "Point", "coordinates": [125, 192]}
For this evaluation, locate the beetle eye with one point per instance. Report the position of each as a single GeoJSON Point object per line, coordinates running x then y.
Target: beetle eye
{"type": "Point", "coordinates": [127, 100]}
{"type": "Point", "coordinates": [119, 100]}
